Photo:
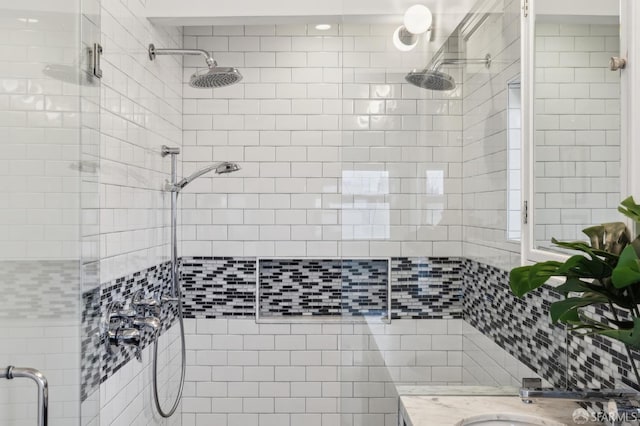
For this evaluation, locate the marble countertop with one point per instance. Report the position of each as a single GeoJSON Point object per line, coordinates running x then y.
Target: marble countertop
{"type": "Point", "coordinates": [432, 410]}
{"type": "Point", "coordinates": [457, 390]}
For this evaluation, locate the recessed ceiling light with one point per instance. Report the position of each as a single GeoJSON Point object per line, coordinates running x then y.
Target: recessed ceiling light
{"type": "Point", "coordinates": [29, 20]}
{"type": "Point", "coordinates": [403, 40]}
{"type": "Point", "coordinates": [323, 27]}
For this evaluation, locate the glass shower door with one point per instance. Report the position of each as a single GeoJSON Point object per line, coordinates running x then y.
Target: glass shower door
{"type": "Point", "coordinates": [41, 207]}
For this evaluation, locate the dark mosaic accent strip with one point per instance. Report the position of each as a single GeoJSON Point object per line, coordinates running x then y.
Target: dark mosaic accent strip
{"type": "Point", "coordinates": [90, 352]}
{"type": "Point", "coordinates": [40, 289]}
{"type": "Point", "coordinates": [426, 288]}
{"type": "Point", "coordinates": [96, 364]}
{"type": "Point", "coordinates": [323, 287]}
{"type": "Point", "coordinates": [421, 288]}
{"type": "Point", "coordinates": [522, 327]}
{"type": "Point", "coordinates": [596, 361]}
{"type": "Point", "coordinates": [215, 287]}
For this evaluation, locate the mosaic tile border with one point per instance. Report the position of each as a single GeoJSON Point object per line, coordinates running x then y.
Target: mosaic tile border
{"type": "Point", "coordinates": [426, 288]}
{"type": "Point", "coordinates": [522, 327]}
{"type": "Point", "coordinates": [40, 289]}
{"type": "Point", "coordinates": [422, 288]}
{"type": "Point", "coordinates": [96, 364]}
{"type": "Point", "coordinates": [216, 287]}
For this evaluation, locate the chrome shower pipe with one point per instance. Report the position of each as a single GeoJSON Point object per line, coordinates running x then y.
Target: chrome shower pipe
{"type": "Point", "coordinates": [486, 61]}
{"type": "Point", "coordinates": [173, 152]}
{"type": "Point", "coordinates": [153, 52]}
{"type": "Point", "coordinates": [175, 297]}
{"type": "Point", "coordinates": [12, 372]}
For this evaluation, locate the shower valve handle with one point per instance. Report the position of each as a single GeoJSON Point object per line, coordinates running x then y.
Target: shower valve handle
{"type": "Point", "coordinates": [141, 304]}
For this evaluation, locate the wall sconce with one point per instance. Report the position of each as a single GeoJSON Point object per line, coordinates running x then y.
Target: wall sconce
{"type": "Point", "coordinates": [418, 19]}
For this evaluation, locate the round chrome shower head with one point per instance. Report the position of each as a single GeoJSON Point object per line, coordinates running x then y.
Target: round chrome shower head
{"type": "Point", "coordinates": [215, 77]}
{"type": "Point", "coordinates": [432, 80]}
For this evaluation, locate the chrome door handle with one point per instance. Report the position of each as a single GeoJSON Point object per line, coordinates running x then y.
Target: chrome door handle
{"type": "Point", "coordinates": [12, 372]}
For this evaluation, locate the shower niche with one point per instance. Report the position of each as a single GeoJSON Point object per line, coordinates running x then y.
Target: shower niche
{"type": "Point", "coordinates": [323, 289]}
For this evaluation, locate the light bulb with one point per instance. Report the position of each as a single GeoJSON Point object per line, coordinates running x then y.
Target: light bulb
{"type": "Point", "coordinates": [323, 27]}
{"type": "Point", "coordinates": [418, 19]}
{"type": "Point", "coordinates": [403, 40]}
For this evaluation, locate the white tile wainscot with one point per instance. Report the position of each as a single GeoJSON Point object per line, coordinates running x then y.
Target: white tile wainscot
{"type": "Point", "coordinates": [323, 374]}
{"type": "Point", "coordinates": [327, 374]}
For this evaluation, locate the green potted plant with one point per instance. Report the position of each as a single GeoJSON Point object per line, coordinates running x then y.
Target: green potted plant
{"type": "Point", "coordinates": [606, 272]}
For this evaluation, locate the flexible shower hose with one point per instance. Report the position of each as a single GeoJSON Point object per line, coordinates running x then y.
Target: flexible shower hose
{"type": "Point", "coordinates": [156, 399]}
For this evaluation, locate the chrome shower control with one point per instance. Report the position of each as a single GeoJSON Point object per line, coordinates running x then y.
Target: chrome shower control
{"type": "Point", "coordinates": [151, 323]}
{"type": "Point", "coordinates": [119, 329]}
{"type": "Point", "coordinates": [124, 337]}
{"type": "Point", "coordinates": [143, 305]}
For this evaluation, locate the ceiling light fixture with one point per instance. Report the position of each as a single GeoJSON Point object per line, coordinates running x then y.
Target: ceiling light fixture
{"type": "Point", "coordinates": [403, 40]}
{"type": "Point", "coordinates": [323, 27]}
{"type": "Point", "coordinates": [418, 19]}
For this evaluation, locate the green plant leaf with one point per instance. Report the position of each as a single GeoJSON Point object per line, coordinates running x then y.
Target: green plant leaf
{"type": "Point", "coordinates": [628, 336]}
{"type": "Point", "coordinates": [524, 279]}
{"type": "Point", "coordinates": [627, 271]}
{"type": "Point", "coordinates": [573, 285]}
{"type": "Point", "coordinates": [585, 248]}
{"type": "Point", "coordinates": [567, 309]}
{"type": "Point", "coordinates": [630, 209]}
{"type": "Point", "coordinates": [580, 266]}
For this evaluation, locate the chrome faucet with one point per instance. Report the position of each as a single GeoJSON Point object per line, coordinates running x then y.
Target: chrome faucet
{"type": "Point", "coordinates": [532, 390]}
{"type": "Point", "coordinates": [151, 323]}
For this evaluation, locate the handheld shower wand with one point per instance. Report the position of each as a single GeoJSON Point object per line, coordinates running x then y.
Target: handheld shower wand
{"type": "Point", "coordinates": [175, 187]}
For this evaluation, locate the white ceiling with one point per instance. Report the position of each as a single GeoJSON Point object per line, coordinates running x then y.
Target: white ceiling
{"type": "Point", "coordinates": [447, 13]}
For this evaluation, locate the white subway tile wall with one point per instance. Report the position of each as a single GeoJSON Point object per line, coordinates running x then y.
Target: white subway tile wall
{"type": "Point", "coordinates": [484, 363]}
{"type": "Point", "coordinates": [126, 397]}
{"type": "Point", "coordinates": [485, 151]}
{"type": "Point", "coordinates": [40, 133]}
{"type": "Point", "coordinates": [577, 140]}
{"type": "Point", "coordinates": [141, 110]}
{"type": "Point", "coordinates": [339, 155]}
{"type": "Point", "coordinates": [329, 374]}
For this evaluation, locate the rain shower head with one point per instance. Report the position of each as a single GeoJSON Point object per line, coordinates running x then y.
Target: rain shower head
{"type": "Point", "coordinates": [215, 77]}
{"type": "Point", "coordinates": [212, 77]}
{"type": "Point", "coordinates": [433, 79]}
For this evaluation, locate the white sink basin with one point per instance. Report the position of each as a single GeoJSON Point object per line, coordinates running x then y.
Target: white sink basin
{"type": "Point", "coordinates": [507, 420]}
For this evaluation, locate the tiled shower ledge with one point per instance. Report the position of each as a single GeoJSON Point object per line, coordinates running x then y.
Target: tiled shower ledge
{"type": "Point", "coordinates": [318, 319]}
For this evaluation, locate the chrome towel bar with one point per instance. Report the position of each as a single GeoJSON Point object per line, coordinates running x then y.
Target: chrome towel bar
{"type": "Point", "coordinates": [12, 372]}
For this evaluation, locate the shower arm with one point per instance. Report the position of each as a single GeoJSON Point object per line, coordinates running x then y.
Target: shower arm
{"type": "Point", "coordinates": [153, 52]}
{"type": "Point", "coordinates": [486, 61]}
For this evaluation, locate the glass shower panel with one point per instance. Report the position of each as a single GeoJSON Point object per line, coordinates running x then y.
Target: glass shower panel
{"type": "Point", "coordinates": [42, 204]}
{"type": "Point", "coordinates": [399, 191]}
